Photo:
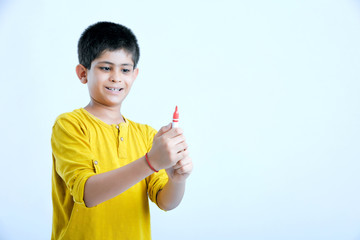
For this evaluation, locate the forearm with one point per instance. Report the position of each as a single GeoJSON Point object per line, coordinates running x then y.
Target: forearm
{"type": "Point", "coordinates": [171, 195]}
{"type": "Point", "coordinates": [102, 187]}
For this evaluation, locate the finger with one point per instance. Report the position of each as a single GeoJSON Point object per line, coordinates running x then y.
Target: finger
{"type": "Point", "coordinates": [181, 147]}
{"type": "Point", "coordinates": [181, 156]}
{"type": "Point", "coordinates": [183, 162]}
{"type": "Point", "coordinates": [185, 169]}
{"type": "Point", "coordinates": [163, 130]}
{"type": "Point", "coordinates": [173, 132]}
{"type": "Point", "coordinates": [177, 140]}
{"type": "Point", "coordinates": [186, 148]}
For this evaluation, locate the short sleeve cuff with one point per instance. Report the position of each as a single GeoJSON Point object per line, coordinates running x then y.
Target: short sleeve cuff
{"type": "Point", "coordinates": [156, 184]}
{"type": "Point", "coordinates": [79, 187]}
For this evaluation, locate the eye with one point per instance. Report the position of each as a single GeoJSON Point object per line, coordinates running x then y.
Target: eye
{"type": "Point", "coordinates": [126, 70]}
{"type": "Point", "coordinates": [105, 69]}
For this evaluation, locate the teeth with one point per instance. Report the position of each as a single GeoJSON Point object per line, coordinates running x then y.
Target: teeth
{"type": "Point", "coordinates": [114, 89]}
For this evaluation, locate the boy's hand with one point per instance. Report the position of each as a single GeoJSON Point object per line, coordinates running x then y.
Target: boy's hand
{"type": "Point", "coordinates": [181, 170]}
{"type": "Point", "coordinates": [169, 151]}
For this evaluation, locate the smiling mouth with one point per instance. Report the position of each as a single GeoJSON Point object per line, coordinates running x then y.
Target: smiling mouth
{"type": "Point", "coordinates": [114, 89]}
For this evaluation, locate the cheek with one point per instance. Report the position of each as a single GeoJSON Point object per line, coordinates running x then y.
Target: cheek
{"type": "Point", "coordinates": [90, 85]}
{"type": "Point", "coordinates": [129, 82]}
{"type": "Point", "coordinates": [93, 87]}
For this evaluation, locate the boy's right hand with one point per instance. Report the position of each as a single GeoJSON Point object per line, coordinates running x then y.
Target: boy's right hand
{"type": "Point", "coordinates": [168, 148]}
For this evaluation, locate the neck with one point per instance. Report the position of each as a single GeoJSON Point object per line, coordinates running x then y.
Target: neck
{"type": "Point", "coordinates": [109, 115]}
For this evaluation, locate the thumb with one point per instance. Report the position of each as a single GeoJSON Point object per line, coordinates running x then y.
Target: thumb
{"type": "Point", "coordinates": [163, 130]}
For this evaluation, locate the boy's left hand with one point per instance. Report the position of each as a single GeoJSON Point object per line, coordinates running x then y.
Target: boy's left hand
{"type": "Point", "coordinates": [181, 170]}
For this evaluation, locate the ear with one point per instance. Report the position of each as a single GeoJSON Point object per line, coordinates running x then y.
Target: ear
{"type": "Point", "coordinates": [81, 72]}
{"type": "Point", "coordinates": [136, 72]}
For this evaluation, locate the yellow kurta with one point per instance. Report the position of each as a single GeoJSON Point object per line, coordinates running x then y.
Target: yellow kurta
{"type": "Point", "coordinates": [83, 146]}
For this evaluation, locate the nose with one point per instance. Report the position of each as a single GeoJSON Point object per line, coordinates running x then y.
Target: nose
{"type": "Point", "coordinates": [115, 77]}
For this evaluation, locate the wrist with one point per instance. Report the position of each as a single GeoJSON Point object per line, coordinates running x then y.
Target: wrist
{"type": "Point", "coordinates": [175, 181]}
{"type": "Point", "coordinates": [150, 164]}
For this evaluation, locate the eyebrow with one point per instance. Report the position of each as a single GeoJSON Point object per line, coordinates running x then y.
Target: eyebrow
{"type": "Point", "coordinates": [110, 63]}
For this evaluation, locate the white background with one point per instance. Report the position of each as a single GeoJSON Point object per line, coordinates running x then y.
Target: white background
{"type": "Point", "coordinates": [268, 93]}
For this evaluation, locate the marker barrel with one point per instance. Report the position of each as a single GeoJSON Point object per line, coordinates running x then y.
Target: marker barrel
{"type": "Point", "coordinates": [175, 124]}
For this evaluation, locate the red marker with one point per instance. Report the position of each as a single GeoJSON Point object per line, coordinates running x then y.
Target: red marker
{"type": "Point", "coordinates": [175, 122]}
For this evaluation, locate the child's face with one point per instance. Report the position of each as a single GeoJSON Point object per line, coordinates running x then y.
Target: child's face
{"type": "Point", "coordinates": [110, 78]}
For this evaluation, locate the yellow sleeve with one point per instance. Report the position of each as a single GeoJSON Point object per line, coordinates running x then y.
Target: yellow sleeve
{"type": "Point", "coordinates": [74, 161]}
{"type": "Point", "coordinates": [155, 181]}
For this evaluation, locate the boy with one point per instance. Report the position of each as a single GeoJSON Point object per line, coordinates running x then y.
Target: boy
{"type": "Point", "coordinates": [105, 166]}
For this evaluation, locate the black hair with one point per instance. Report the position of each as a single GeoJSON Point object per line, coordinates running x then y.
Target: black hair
{"type": "Point", "coordinates": [103, 36]}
